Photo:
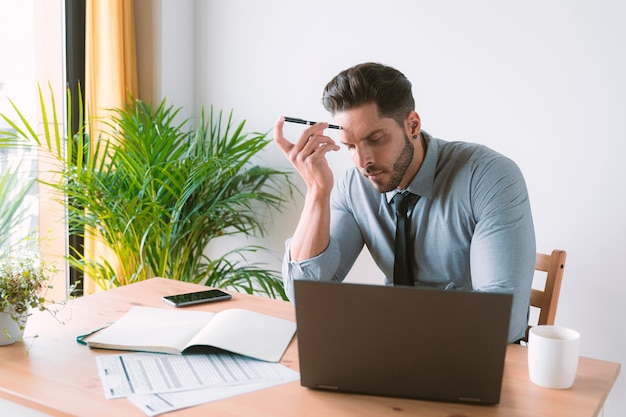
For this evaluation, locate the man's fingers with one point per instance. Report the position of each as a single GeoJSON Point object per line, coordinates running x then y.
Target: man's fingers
{"type": "Point", "coordinates": [311, 141]}
{"type": "Point", "coordinates": [280, 140]}
{"type": "Point", "coordinates": [318, 144]}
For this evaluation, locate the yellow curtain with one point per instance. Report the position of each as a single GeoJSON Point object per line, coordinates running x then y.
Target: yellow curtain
{"type": "Point", "coordinates": [111, 75]}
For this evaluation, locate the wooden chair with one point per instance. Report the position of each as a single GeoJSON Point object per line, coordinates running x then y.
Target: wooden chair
{"type": "Point", "coordinates": [546, 300]}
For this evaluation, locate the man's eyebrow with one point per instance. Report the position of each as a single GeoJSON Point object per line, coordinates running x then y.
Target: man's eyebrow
{"type": "Point", "coordinates": [374, 132]}
{"type": "Point", "coordinates": [369, 135]}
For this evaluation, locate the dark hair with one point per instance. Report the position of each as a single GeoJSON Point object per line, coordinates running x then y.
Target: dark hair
{"type": "Point", "coordinates": [367, 83]}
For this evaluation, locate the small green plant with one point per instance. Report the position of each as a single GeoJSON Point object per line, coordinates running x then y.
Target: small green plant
{"type": "Point", "coordinates": [24, 280]}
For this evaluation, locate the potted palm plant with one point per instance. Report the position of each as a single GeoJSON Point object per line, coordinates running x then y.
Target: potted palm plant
{"type": "Point", "coordinates": [157, 191]}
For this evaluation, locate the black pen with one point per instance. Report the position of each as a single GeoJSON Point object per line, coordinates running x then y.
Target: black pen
{"type": "Point", "coordinates": [307, 122]}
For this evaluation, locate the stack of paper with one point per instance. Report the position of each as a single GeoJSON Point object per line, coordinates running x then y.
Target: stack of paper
{"type": "Point", "coordinates": [159, 383]}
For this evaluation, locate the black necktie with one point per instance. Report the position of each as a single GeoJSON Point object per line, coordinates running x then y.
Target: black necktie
{"type": "Point", "coordinates": [402, 270]}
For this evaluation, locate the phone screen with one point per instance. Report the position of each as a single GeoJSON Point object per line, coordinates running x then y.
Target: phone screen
{"type": "Point", "coordinates": [196, 297]}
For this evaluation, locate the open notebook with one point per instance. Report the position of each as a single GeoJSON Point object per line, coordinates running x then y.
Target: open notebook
{"type": "Point", "coordinates": [402, 341]}
{"type": "Point", "coordinates": [177, 331]}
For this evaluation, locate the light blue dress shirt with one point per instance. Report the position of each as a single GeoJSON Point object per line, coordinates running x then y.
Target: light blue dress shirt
{"type": "Point", "coordinates": [473, 227]}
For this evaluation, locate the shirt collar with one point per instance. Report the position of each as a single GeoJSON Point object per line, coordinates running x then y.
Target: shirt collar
{"type": "Point", "coordinates": [422, 183]}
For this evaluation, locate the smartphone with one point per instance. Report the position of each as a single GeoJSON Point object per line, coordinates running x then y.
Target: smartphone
{"type": "Point", "coordinates": [200, 297]}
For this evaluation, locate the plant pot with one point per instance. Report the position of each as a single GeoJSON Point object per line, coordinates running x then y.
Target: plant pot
{"type": "Point", "coordinates": [11, 331]}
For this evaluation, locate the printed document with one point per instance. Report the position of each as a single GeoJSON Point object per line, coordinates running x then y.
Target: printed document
{"type": "Point", "coordinates": [158, 383]}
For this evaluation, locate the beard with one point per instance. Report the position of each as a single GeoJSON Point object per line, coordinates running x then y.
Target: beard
{"type": "Point", "coordinates": [398, 170]}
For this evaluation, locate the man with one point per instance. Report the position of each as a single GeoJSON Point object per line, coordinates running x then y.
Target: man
{"type": "Point", "coordinates": [470, 222]}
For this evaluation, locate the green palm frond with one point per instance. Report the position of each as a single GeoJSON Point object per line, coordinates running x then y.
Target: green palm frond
{"type": "Point", "coordinates": [12, 194]}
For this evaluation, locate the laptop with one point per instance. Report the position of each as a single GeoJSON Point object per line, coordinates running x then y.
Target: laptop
{"type": "Point", "coordinates": [405, 342]}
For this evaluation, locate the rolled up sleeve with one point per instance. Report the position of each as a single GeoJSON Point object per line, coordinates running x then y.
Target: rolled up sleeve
{"type": "Point", "coordinates": [319, 268]}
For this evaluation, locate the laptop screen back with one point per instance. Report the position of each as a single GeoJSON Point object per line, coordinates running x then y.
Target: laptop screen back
{"type": "Point", "coordinates": [402, 341]}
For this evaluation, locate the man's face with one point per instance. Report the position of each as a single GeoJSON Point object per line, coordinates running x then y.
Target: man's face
{"type": "Point", "coordinates": [379, 148]}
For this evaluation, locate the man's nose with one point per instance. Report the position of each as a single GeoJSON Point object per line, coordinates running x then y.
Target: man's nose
{"type": "Point", "coordinates": [363, 157]}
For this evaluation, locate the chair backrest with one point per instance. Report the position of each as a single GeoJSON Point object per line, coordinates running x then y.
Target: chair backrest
{"type": "Point", "coordinates": [546, 300]}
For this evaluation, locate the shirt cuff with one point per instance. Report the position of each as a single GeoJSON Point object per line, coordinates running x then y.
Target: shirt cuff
{"type": "Point", "coordinates": [318, 268]}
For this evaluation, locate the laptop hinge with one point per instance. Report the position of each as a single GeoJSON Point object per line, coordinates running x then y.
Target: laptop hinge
{"type": "Point", "coordinates": [328, 387]}
{"type": "Point", "coordinates": [469, 399]}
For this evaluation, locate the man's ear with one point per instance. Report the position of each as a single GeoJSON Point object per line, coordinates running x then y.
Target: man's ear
{"type": "Point", "coordinates": [413, 125]}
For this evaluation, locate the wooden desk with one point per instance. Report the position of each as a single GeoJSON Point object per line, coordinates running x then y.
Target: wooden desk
{"type": "Point", "coordinates": [58, 376]}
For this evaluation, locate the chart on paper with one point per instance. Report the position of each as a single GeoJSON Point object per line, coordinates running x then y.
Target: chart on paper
{"type": "Point", "coordinates": [149, 373]}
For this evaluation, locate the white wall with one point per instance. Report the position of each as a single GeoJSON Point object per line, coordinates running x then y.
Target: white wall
{"type": "Point", "coordinates": [542, 82]}
{"type": "Point", "coordinates": [166, 52]}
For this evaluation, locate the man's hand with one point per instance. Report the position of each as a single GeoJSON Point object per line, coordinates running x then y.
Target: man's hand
{"type": "Point", "coordinates": [308, 155]}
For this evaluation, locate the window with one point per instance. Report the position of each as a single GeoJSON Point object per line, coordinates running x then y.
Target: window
{"type": "Point", "coordinates": [18, 82]}
{"type": "Point", "coordinates": [32, 53]}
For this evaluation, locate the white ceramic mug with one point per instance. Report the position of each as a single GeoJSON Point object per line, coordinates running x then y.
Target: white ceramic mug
{"type": "Point", "coordinates": [553, 356]}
